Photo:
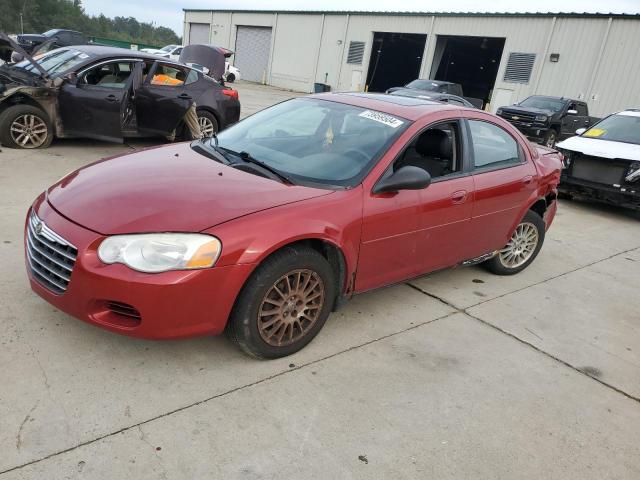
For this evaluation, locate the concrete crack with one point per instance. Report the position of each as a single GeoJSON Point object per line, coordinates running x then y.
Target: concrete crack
{"type": "Point", "coordinates": [24, 422]}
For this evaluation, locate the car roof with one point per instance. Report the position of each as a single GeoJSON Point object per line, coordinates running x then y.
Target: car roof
{"type": "Point", "coordinates": [406, 107]}
{"type": "Point", "coordinates": [439, 82]}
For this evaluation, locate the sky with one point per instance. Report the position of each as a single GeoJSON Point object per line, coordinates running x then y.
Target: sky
{"type": "Point", "coordinates": [169, 13]}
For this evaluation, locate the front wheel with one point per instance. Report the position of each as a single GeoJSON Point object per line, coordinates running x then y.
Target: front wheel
{"type": "Point", "coordinates": [230, 78]}
{"type": "Point", "coordinates": [25, 126]}
{"type": "Point", "coordinates": [522, 248]}
{"type": "Point", "coordinates": [284, 304]}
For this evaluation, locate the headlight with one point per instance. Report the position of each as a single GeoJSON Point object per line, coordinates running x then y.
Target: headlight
{"type": "Point", "coordinates": [499, 111]}
{"type": "Point", "coordinates": [541, 118]}
{"type": "Point", "coordinates": [160, 252]}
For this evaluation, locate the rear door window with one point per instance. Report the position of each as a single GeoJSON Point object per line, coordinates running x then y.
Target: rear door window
{"type": "Point", "coordinates": [492, 146]}
{"type": "Point", "coordinates": [169, 76]}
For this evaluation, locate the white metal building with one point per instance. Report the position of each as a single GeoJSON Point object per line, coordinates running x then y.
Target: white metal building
{"type": "Point", "coordinates": [501, 58]}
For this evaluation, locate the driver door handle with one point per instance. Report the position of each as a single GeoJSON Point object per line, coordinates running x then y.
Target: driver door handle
{"type": "Point", "coordinates": [459, 196]}
{"type": "Point", "coordinates": [527, 180]}
{"type": "Point", "coordinates": [111, 98]}
{"type": "Point", "coordinates": [185, 96]}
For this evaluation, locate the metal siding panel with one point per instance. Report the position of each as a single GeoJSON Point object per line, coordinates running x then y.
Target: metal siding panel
{"type": "Point", "coordinates": [296, 44]}
{"type": "Point", "coordinates": [616, 84]}
{"type": "Point", "coordinates": [252, 52]}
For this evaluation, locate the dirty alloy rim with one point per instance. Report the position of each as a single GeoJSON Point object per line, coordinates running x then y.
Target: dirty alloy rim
{"type": "Point", "coordinates": [521, 246]}
{"type": "Point", "coordinates": [291, 307]}
{"type": "Point", "coordinates": [29, 131]}
{"type": "Point", "coordinates": [206, 126]}
{"type": "Point", "coordinates": [551, 141]}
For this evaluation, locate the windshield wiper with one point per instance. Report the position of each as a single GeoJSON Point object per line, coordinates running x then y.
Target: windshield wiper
{"type": "Point", "coordinates": [247, 158]}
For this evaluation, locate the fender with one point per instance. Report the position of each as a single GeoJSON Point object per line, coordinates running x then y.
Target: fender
{"type": "Point", "coordinates": [335, 219]}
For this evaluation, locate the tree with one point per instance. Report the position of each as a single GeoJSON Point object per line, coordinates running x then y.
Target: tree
{"type": "Point", "coordinates": [41, 15]}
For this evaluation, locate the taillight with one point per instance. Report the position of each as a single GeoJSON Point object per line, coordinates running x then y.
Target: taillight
{"type": "Point", "coordinates": [230, 93]}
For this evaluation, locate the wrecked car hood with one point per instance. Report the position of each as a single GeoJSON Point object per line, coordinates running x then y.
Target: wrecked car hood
{"type": "Point", "coordinates": [601, 148]}
{"type": "Point", "coordinates": [166, 189]}
{"type": "Point", "coordinates": [212, 58]}
{"type": "Point", "coordinates": [7, 43]}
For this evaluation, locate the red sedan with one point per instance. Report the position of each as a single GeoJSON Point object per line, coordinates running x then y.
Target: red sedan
{"type": "Point", "coordinates": [265, 230]}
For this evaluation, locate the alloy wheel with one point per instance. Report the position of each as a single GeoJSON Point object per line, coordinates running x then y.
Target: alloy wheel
{"type": "Point", "coordinates": [291, 307]}
{"type": "Point", "coordinates": [29, 131]}
{"type": "Point", "coordinates": [206, 127]}
{"type": "Point", "coordinates": [521, 246]}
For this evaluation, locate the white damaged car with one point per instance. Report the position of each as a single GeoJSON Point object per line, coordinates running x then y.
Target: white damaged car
{"type": "Point", "coordinates": [603, 162]}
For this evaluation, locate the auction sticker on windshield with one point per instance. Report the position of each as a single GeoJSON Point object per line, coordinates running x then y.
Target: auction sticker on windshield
{"type": "Point", "coordinates": [380, 117]}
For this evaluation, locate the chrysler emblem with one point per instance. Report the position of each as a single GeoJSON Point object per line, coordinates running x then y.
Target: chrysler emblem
{"type": "Point", "coordinates": [38, 228]}
{"type": "Point", "coordinates": [515, 117]}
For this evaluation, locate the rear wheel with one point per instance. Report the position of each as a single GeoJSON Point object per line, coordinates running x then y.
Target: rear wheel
{"type": "Point", "coordinates": [284, 304]}
{"type": "Point", "coordinates": [522, 248]}
{"type": "Point", "coordinates": [231, 78]}
{"type": "Point", "coordinates": [207, 123]}
{"type": "Point", "coordinates": [25, 126]}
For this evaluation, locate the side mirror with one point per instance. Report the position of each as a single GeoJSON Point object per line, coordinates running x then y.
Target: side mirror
{"type": "Point", "coordinates": [71, 78]}
{"type": "Point", "coordinates": [580, 131]}
{"type": "Point", "coordinates": [405, 178]}
{"type": "Point", "coordinates": [572, 112]}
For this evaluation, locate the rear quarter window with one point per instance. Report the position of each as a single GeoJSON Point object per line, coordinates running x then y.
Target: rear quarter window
{"type": "Point", "coordinates": [492, 146]}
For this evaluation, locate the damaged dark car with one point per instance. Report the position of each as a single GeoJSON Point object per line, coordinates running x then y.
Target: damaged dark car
{"type": "Point", "coordinates": [110, 94]}
{"type": "Point", "coordinates": [602, 163]}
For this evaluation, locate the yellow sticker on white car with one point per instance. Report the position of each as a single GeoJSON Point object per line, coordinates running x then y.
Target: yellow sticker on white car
{"type": "Point", "coordinates": [595, 132]}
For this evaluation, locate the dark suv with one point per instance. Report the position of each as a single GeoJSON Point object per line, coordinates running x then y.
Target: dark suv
{"type": "Point", "coordinates": [59, 38]}
{"type": "Point", "coordinates": [547, 120]}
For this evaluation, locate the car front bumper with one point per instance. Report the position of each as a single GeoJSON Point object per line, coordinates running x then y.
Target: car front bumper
{"type": "Point", "coordinates": [623, 197]}
{"type": "Point", "coordinates": [173, 304]}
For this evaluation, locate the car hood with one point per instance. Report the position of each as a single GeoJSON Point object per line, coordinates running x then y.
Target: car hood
{"type": "Point", "coordinates": [7, 43]}
{"type": "Point", "coordinates": [518, 109]}
{"type": "Point", "coordinates": [601, 148]}
{"type": "Point", "coordinates": [166, 189]}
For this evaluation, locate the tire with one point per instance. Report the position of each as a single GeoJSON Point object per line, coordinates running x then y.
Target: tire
{"type": "Point", "coordinates": [230, 78]}
{"type": "Point", "coordinates": [207, 120]}
{"type": "Point", "coordinates": [550, 138]}
{"type": "Point", "coordinates": [504, 264]}
{"type": "Point", "coordinates": [31, 120]}
{"type": "Point", "coordinates": [287, 330]}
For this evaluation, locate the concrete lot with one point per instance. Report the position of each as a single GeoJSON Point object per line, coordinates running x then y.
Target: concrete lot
{"type": "Point", "coordinates": [460, 374]}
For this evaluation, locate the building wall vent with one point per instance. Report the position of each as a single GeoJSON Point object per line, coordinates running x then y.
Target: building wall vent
{"type": "Point", "coordinates": [356, 53]}
{"type": "Point", "coordinates": [519, 67]}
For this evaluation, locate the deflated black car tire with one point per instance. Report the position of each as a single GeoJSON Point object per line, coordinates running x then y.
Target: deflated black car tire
{"type": "Point", "coordinates": [284, 304]}
{"type": "Point", "coordinates": [25, 126]}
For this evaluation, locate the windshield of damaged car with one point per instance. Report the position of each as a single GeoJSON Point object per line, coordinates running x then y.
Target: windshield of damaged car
{"type": "Point", "coordinates": [622, 127]}
{"type": "Point", "coordinates": [427, 85]}
{"type": "Point", "coordinates": [315, 141]}
{"type": "Point", "coordinates": [168, 48]}
{"type": "Point", "coordinates": [543, 103]}
{"type": "Point", "coordinates": [55, 61]}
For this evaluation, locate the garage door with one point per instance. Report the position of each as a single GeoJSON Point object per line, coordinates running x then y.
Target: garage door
{"type": "Point", "coordinates": [252, 52]}
{"type": "Point", "coordinates": [198, 33]}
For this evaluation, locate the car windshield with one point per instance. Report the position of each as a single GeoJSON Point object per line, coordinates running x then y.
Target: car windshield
{"type": "Point", "coordinates": [50, 33]}
{"type": "Point", "coordinates": [168, 48]}
{"type": "Point", "coordinates": [315, 141]}
{"type": "Point", "coordinates": [427, 85]}
{"type": "Point", "coordinates": [543, 103]}
{"type": "Point", "coordinates": [55, 61]}
{"type": "Point", "coordinates": [622, 127]}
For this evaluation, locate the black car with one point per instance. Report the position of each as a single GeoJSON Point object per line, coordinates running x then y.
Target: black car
{"type": "Point", "coordinates": [59, 38]}
{"type": "Point", "coordinates": [438, 97]}
{"type": "Point", "coordinates": [427, 85]}
{"type": "Point", "coordinates": [108, 93]}
{"type": "Point", "coordinates": [547, 120]}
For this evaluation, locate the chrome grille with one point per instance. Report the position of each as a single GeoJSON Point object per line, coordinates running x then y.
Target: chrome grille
{"type": "Point", "coordinates": [51, 258]}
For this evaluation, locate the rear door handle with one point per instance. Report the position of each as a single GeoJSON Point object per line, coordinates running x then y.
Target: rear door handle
{"type": "Point", "coordinates": [111, 98]}
{"type": "Point", "coordinates": [185, 96]}
{"type": "Point", "coordinates": [527, 180]}
{"type": "Point", "coordinates": [459, 196]}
